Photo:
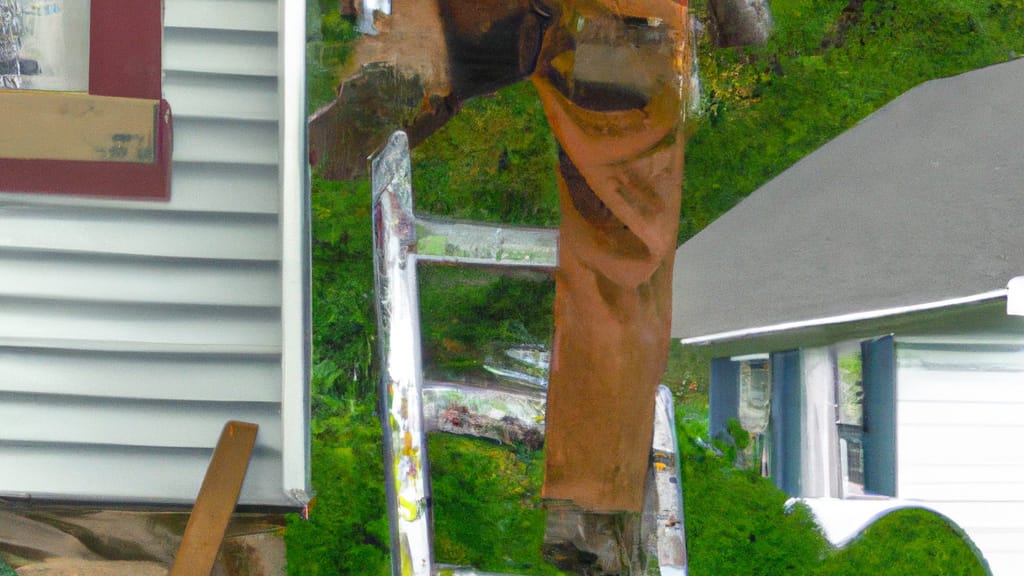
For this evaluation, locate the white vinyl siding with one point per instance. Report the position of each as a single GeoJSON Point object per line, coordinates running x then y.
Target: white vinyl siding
{"type": "Point", "coordinates": [960, 414]}
{"type": "Point", "coordinates": [131, 331]}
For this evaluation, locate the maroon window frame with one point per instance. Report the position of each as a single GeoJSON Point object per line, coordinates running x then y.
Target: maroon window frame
{"type": "Point", "coordinates": [125, 43]}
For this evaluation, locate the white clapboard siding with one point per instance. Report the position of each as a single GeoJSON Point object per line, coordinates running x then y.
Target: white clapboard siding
{"type": "Point", "coordinates": [960, 426]}
{"type": "Point", "coordinates": [206, 187]}
{"type": "Point", "coordinates": [132, 331]}
{"type": "Point", "coordinates": [172, 324]}
{"type": "Point", "coordinates": [139, 473]}
{"type": "Point", "coordinates": [252, 15]}
{"type": "Point", "coordinates": [135, 280]}
{"type": "Point", "coordinates": [30, 418]}
{"type": "Point", "coordinates": [220, 52]}
{"type": "Point", "coordinates": [225, 141]}
{"type": "Point", "coordinates": [131, 375]}
{"type": "Point", "coordinates": [152, 232]}
{"type": "Point", "coordinates": [221, 96]}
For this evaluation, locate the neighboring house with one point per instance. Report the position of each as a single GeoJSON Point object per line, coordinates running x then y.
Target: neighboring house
{"type": "Point", "coordinates": [135, 323]}
{"type": "Point", "coordinates": [857, 309]}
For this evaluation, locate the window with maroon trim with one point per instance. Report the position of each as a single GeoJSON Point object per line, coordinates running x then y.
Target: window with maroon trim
{"type": "Point", "coordinates": [124, 81]}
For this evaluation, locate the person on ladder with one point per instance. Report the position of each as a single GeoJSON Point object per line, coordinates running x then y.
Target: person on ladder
{"type": "Point", "coordinates": [612, 77]}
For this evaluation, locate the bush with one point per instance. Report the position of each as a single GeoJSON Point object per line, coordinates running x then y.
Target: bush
{"type": "Point", "coordinates": [736, 524]}
{"type": "Point", "coordinates": [908, 541]}
{"type": "Point", "coordinates": [494, 161]}
{"type": "Point", "coordinates": [468, 315]}
{"type": "Point", "coordinates": [347, 531]}
{"type": "Point", "coordinates": [344, 322]}
{"type": "Point", "coordinates": [487, 510]}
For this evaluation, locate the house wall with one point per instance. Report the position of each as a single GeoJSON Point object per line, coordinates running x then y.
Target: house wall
{"type": "Point", "coordinates": [960, 429]}
{"type": "Point", "coordinates": [131, 331]}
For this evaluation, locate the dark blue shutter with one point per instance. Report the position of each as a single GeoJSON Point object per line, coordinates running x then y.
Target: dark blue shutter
{"type": "Point", "coordinates": [879, 366]}
{"type": "Point", "coordinates": [724, 396]}
{"type": "Point", "coordinates": [785, 421]}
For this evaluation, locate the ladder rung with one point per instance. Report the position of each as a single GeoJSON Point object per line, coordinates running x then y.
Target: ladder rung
{"type": "Point", "coordinates": [466, 243]}
{"type": "Point", "coordinates": [446, 570]}
{"type": "Point", "coordinates": [507, 416]}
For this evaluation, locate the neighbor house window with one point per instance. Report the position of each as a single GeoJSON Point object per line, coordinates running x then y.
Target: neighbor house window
{"type": "Point", "coordinates": [755, 379]}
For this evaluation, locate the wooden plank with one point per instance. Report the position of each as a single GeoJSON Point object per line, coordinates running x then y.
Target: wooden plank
{"type": "Point", "coordinates": [195, 187]}
{"type": "Point", "coordinates": [216, 501]}
{"type": "Point", "coordinates": [74, 126]}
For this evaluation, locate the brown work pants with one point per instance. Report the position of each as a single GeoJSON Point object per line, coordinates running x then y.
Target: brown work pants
{"type": "Point", "coordinates": [610, 76]}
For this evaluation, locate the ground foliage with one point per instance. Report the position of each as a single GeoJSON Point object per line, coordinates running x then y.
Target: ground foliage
{"type": "Point", "coordinates": [471, 315]}
{"type": "Point", "coordinates": [347, 530]}
{"type": "Point", "coordinates": [488, 510]}
{"type": "Point", "coordinates": [329, 42]}
{"type": "Point", "coordinates": [828, 64]}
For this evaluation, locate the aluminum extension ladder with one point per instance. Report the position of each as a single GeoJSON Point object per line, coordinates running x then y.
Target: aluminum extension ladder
{"type": "Point", "coordinates": [402, 240]}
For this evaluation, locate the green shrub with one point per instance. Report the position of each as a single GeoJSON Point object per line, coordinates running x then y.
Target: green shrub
{"type": "Point", "coordinates": [347, 531]}
{"type": "Point", "coordinates": [908, 541]}
{"type": "Point", "coordinates": [487, 510]}
{"type": "Point", "coordinates": [469, 314]}
{"type": "Point", "coordinates": [344, 322]}
{"type": "Point", "coordinates": [494, 161]}
{"type": "Point", "coordinates": [330, 39]}
{"type": "Point", "coordinates": [736, 524]}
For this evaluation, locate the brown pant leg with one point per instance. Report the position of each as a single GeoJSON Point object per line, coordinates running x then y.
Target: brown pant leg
{"type": "Point", "coordinates": [611, 87]}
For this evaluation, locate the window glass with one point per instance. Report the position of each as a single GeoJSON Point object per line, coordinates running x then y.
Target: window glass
{"type": "Point", "coordinates": [755, 394]}
{"type": "Point", "coordinates": [755, 410]}
{"type": "Point", "coordinates": [44, 45]}
{"type": "Point", "coordinates": [850, 415]}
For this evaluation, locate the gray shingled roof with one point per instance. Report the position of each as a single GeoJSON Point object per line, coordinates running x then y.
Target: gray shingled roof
{"type": "Point", "coordinates": [919, 204]}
